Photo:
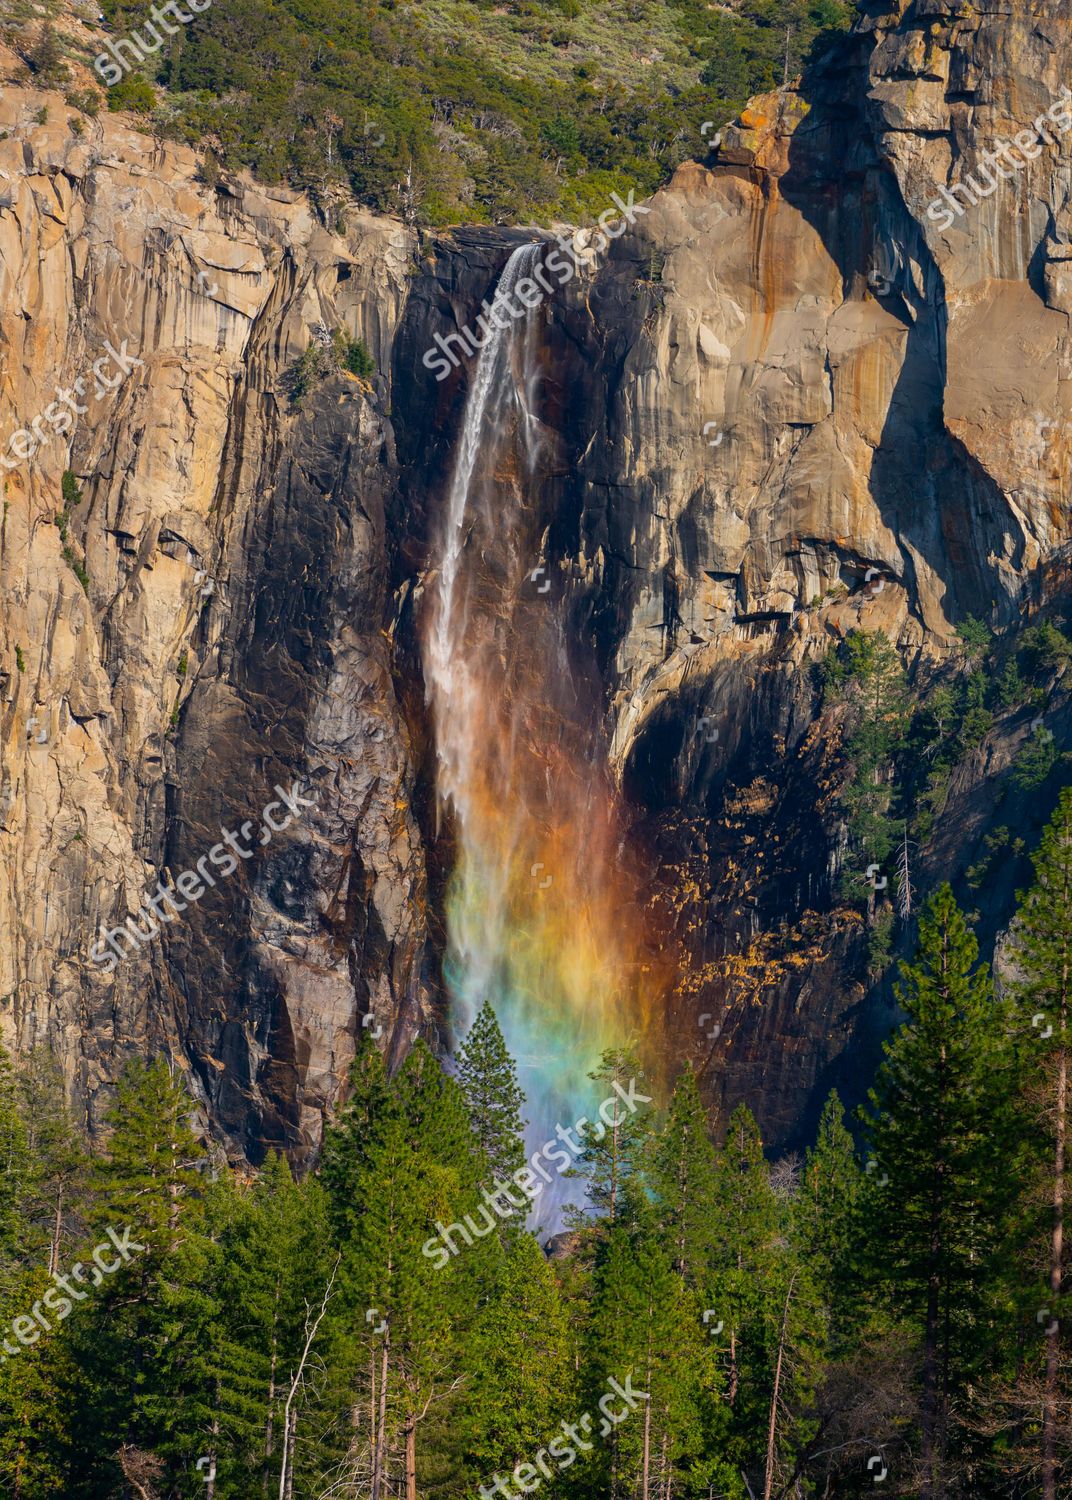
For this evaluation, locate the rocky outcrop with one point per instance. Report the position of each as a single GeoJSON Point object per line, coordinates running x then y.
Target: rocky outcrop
{"type": "Point", "coordinates": [232, 634]}
{"type": "Point", "coordinates": [788, 404]}
{"type": "Point", "coordinates": [785, 404]}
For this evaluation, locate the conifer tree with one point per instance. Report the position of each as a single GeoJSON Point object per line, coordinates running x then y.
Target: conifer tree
{"type": "Point", "coordinates": [1042, 953]}
{"type": "Point", "coordinates": [614, 1153]}
{"type": "Point", "coordinates": [744, 1257]}
{"type": "Point", "coordinates": [488, 1077]}
{"type": "Point", "coordinates": [140, 1340]}
{"type": "Point", "coordinates": [646, 1334]}
{"type": "Point", "coordinates": [935, 1204]}
{"type": "Point", "coordinates": [58, 1159]}
{"type": "Point", "coordinates": [415, 1167]}
{"type": "Point", "coordinates": [14, 1161]}
{"type": "Point", "coordinates": [683, 1179]}
{"type": "Point", "coordinates": [825, 1214]}
{"type": "Point", "coordinates": [274, 1254]}
{"type": "Point", "coordinates": [520, 1360]}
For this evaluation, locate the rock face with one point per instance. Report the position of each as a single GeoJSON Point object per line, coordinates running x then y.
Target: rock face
{"type": "Point", "coordinates": [785, 403]}
{"type": "Point", "coordinates": [233, 634]}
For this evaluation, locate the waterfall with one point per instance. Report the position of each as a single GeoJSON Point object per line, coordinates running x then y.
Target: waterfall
{"type": "Point", "coordinates": [538, 898]}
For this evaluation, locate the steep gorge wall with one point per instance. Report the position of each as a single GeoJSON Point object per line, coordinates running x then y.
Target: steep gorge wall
{"type": "Point", "coordinates": [232, 635]}
{"type": "Point", "coordinates": [889, 397]}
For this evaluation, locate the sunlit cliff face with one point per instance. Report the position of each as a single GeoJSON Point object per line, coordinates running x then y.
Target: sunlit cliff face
{"type": "Point", "coordinates": [541, 906]}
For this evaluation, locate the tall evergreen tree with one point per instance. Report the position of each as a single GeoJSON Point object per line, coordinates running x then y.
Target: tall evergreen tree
{"type": "Point", "coordinates": [58, 1161]}
{"type": "Point", "coordinates": [488, 1077]}
{"type": "Point", "coordinates": [140, 1341]}
{"type": "Point", "coordinates": [521, 1381]}
{"type": "Point", "coordinates": [936, 1210]}
{"type": "Point", "coordinates": [1041, 950]}
{"type": "Point", "coordinates": [14, 1161]}
{"type": "Point", "coordinates": [403, 1315]}
{"type": "Point", "coordinates": [745, 1253]}
{"type": "Point", "coordinates": [825, 1214]}
{"type": "Point", "coordinates": [615, 1143]}
{"type": "Point", "coordinates": [683, 1179]}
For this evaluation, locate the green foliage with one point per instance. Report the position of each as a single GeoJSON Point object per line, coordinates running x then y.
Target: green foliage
{"type": "Point", "coordinates": [1035, 761]}
{"type": "Point", "coordinates": [352, 355]}
{"type": "Point", "coordinates": [941, 1098]}
{"type": "Point", "coordinates": [134, 93]}
{"type": "Point", "coordinates": [824, 1215]}
{"type": "Point", "coordinates": [69, 489]}
{"type": "Point", "coordinates": [324, 356]}
{"type": "Point", "coordinates": [20, 659]}
{"type": "Point", "coordinates": [493, 1099]}
{"type": "Point", "coordinates": [468, 111]}
{"type": "Point", "coordinates": [998, 845]}
{"type": "Point", "coordinates": [867, 672]}
{"type": "Point", "coordinates": [1012, 690]}
{"type": "Point", "coordinates": [1046, 646]}
{"type": "Point", "coordinates": [613, 1150]}
{"type": "Point", "coordinates": [1040, 954]}
{"type": "Point", "coordinates": [880, 944]}
{"type": "Point", "coordinates": [76, 567]}
{"type": "Point", "coordinates": [87, 100]}
{"type": "Point", "coordinates": [46, 56]}
{"type": "Point", "coordinates": [976, 637]}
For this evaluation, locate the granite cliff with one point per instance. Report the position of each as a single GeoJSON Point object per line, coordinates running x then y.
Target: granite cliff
{"type": "Point", "coordinates": [786, 404]}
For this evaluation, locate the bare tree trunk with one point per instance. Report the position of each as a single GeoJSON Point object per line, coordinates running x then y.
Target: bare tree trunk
{"type": "Point", "coordinates": [772, 1426]}
{"type": "Point", "coordinates": [666, 1469]}
{"type": "Point", "coordinates": [411, 1458]}
{"type": "Point", "coordinates": [372, 1403]}
{"type": "Point", "coordinates": [288, 1453]}
{"type": "Point", "coordinates": [210, 1480]}
{"type": "Point", "coordinates": [290, 1421]}
{"type": "Point", "coordinates": [57, 1231]}
{"type": "Point", "coordinates": [647, 1444]}
{"type": "Point", "coordinates": [380, 1447]}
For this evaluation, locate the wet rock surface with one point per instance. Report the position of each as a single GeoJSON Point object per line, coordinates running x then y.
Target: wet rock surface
{"type": "Point", "coordinates": [783, 386]}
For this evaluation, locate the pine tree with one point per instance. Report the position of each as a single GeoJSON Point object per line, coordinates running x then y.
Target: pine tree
{"type": "Point", "coordinates": [59, 1162]}
{"type": "Point", "coordinates": [872, 669]}
{"type": "Point", "coordinates": [1041, 950]}
{"type": "Point", "coordinates": [14, 1162]}
{"type": "Point", "coordinates": [141, 1341]}
{"type": "Point", "coordinates": [274, 1256]}
{"type": "Point", "coordinates": [403, 1313]}
{"type": "Point", "coordinates": [520, 1358]}
{"type": "Point", "coordinates": [935, 1212]}
{"type": "Point", "coordinates": [647, 1334]}
{"type": "Point", "coordinates": [742, 1266]}
{"type": "Point", "coordinates": [825, 1214]}
{"type": "Point", "coordinates": [614, 1150]}
{"type": "Point", "coordinates": [683, 1180]}
{"type": "Point", "coordinates": [488, 1077]}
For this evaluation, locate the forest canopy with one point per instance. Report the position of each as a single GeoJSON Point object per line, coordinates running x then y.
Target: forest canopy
{"type": "Point", "coordinates": [466, 110]}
